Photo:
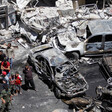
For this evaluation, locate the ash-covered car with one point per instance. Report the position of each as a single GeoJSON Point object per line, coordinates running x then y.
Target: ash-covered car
{"type": "Point", "coordinates": [97, 42]}
{"type": "Point", "coordinates": [106, 66]}
{"type": "Point", "coordinates": [52, 66]}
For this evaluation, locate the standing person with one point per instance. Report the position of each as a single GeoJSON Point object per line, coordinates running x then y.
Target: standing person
{"type": "Point", "coordinates": [12, 83]}
{"type": "Point", "coordinates": [5, 77]}
{"type": "Point", "coordinates": [6, 98]}
{"type": "Point", "coordinates": [2, 57]}
{"type": "Point", "coordinates": [5, 66]}
{"type": "Point", "coordinates": [10, 53]}
{"type": "Point", "coordinates": [18, 82]}
{"type": "Point", "coordinates": [28, 77]}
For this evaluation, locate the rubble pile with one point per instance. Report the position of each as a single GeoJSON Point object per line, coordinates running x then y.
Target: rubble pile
{"type": "Point", "coordinates": [40, 18]}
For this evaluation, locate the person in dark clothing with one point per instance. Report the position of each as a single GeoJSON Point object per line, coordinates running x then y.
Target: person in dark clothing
{"type": "Point", "coordinates": [28, 77]}
{"type": "Point", "coordinates": [6, 98]}
{"type": "Point", "coordinates": [2, 57]}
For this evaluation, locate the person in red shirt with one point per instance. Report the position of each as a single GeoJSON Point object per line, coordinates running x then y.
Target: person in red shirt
{"type": "Point", "coordinates": [5, 66]}
{"type": "Point", "coordinates": [5, 77]}
{"type": "Point", "coordinates": [18, 82]}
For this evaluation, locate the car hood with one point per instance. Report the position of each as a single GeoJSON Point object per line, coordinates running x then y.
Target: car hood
{"type": "Point", "coordinates": [70, 81]}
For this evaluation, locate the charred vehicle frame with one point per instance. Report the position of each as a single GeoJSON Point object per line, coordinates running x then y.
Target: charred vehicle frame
{"type": "Point", "coordinates": [52, 66]}
{"type": "Point", "coordinates": [97, 43]}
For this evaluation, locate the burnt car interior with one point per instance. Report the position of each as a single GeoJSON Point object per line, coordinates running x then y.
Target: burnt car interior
{"type": "Point", "coordinates": [44, 66]}
{"type": "Point", "coordinates": [69, 78]}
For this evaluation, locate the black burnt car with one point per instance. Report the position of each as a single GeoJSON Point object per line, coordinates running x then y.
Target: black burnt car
{"type": "Point", "coordinates": [106, 66]}
{"type": "Point", "coordinates": [52, 66]}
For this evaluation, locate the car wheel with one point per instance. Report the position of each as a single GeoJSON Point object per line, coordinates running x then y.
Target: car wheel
{"type": "Point", "coordinates": [57, 93]}
{"type": "Point", "coordinates": [74, 56]}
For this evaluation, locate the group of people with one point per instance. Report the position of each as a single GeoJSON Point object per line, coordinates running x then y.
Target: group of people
{"type": "Point", "coordinates": [5, 69]}
{"type": "Point", "coordinates": [12, 82]}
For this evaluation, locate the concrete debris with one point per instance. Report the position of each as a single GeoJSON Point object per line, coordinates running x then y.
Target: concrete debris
{"type": "Point", "coordinates": [23, 43]}
{"type": "Point", "coordinates": [88, 61]}
{"type": "Point", "coordinates": [7, 13]}
{"type": "Point", "coordinates": [23, 32]}
{"type": "Point", "coordinates": [40, 18]}
{"type": "Point", "coordinates": [67, 38]}
{"type": "Point", "coordinates": [61, 4]}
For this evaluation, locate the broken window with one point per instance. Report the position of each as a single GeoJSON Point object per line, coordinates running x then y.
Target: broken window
{"type": "Point", "coordinates": [94, 43]}
{"type": "Point", "coordinates": [108, 42]}
{"type": "Point", "coordinates": [97, 38]}
{"type": "Point", "coordinates": [44, 65]}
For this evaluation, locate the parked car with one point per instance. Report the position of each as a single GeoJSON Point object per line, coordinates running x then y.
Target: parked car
{"type": "Point", "coordinates": [52, 66]}
{"type": "Point", "coordinates": [98, 43]}
{"type": "Point", "coordinates": [106, 66]}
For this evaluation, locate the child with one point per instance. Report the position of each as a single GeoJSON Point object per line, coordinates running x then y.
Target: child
{"type": "Point", "coordinates": [12, 83]}
{"type": "Point", "coordinates": [18, 82]}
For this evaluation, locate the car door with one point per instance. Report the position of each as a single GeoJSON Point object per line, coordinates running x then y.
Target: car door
{"type": "Point", "coordinates": [94, 45]}
{"type": "Point", "coordinates": [44, 68]}
{"type": "Point", "coordinates": [108, 43]}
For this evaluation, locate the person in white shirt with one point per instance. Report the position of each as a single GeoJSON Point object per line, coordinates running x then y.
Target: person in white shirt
{"type": "Point", "coordinates": [10, 53]}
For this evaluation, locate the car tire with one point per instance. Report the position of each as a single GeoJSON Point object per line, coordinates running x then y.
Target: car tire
{"type": "Point", "coordinates": [57, 93]}
{"type": "Point", "coordinates": [74, 56]}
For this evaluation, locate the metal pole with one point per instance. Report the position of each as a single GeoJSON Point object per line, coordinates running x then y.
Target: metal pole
{"type": "Point", "coordinates": [6, 18]}
{"type": "Point", "coordinates": [103, 4]}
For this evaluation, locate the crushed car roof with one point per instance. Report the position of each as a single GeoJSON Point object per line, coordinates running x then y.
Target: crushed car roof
{"type": "Point", "coordinates": [100, 26]}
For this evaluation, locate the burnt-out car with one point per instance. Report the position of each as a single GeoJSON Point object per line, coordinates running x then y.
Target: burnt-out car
{"type": "Point", "coordinates": [52, 66]}
{"type": "Point", "coordinates": [97, 42]}
{"type": "Point", "coordinates": [106, 66]}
